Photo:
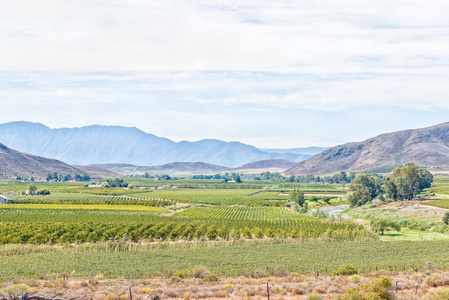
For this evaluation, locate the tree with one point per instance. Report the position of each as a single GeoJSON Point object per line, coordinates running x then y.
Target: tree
{"type": "Point", "coordinates": [390, 189]}
{"type": "Point", "coordinates": [406, 182]}
{"type": "Point", "coordinates": [380, 225]}
{"type": "Point", "coordinates": [446, 218]}
{"type": "Point", "coordinates": [43, 192]}
{"type": "Point", "coordinates": [297, 196]}
{"type": "Point", "coordinates": [237, 178]}
{"type": "Point", "coordinates": [365, 187]}
{"type": "Point", "coordinates": [32, 189]}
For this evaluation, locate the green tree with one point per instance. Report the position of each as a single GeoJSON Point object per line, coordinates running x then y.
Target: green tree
{"type": "Point", "coordinates": [407, 182]}
{"type": "Point", "coordinates": [380, 225]}
{"type": "Point", "coordinates": [446, 218]}
{"type": "Point", "coordinates": [390, 189]}
{"type": "Point", "coordinates": [32, 189]}
{"type": "Point", "coordinates": [365, 187]}
{"type": "Point", "coordinates": [297, 196]}
{"type": "Point", "coordinates": [237, 178]}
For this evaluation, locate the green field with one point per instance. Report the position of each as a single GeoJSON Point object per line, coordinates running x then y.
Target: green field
{"type": "Point", "coordinates": [142, 261]}
{"type": "Point", "coordinates": [229, 228]}
{"type": "Point", "coordinates": [438, 203]}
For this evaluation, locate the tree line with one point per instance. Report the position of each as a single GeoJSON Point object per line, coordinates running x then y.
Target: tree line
{"type": "Point", "coordinates": [404, 183]}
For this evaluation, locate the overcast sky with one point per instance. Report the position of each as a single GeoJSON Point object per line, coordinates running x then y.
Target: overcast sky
{"type": "Point", "coordinates": [277, 74]}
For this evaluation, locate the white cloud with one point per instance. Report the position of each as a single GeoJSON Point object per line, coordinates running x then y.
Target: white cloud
{"type": "Point", "coordinates": [199, 62]}
{"type": "Point", "coordinates": [296, 36]}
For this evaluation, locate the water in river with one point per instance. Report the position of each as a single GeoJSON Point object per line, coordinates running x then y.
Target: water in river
{"type": "Point", "coordinates": [334, 211]}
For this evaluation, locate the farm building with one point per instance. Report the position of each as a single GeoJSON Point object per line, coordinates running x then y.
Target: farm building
{"type": "Point", "coordinates": [3, 199]}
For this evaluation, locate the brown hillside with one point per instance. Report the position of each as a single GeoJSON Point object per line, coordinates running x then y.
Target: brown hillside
{"type": "Point", "coordinates": [426, 147]}
{"type": "Point", "coordinates": [14, 163]}
{"type": "Point", "coordinates": [96, 172]}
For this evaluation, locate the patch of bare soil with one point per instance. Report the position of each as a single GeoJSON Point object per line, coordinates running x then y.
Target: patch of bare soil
{"type": "Point", "coordinates": [416, 207]}
{"type": "Point", "coordinates": [406, 285]}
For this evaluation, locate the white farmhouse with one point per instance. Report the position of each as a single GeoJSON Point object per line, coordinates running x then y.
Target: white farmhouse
{"type": "Point", "coordinates": [3, 199]}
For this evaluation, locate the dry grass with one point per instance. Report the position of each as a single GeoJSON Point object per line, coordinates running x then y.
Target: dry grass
{"type": "Point", "coordinates": [406, 285]}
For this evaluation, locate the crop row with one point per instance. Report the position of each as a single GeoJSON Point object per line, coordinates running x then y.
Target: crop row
{"type": "Point", "coordinates": [242, 213]}
{"type": "Point", "coordinates": [40, 233]}
{"type": "Point", "coordinates": [81, 207]}
{"type": "Point", "coordinates": [98, 200]}
{"type": "Point", "coordinates": [245, 197]}
{"type": "Point", "coordinates": [438, 203]}
{"type": "Point", "coordinates": [115, 260]}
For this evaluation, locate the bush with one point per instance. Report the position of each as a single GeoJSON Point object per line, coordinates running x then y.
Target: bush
{"type": "Point", "coordinates": [441, 295]}
{"type": "Point", "coordinates": [351, 294]}
{"type": "Point", "coordinates": [446, 218]}
{"type": "Point", "coordinates": [378, 288]}
{"type": "Point", "coordinates": [164, 273]}
{"type": "Point", "coordinates": [281, 271]}
{"type": "Point", "coordinates": [211, 277]}
{"type": "Point", "coordinates": [347, 269]}
{"type": "Point", "coordinates": [180, 274]}
{"type": "Point", "coordinates": [197, 272]}
{"type": "Point", "coordinates": [314, 296]}
{"type": "Point", "coordinates": [17, 289]}
{"type": "Point", "coordinates": [354, 278]}
{"type": "Point", "coordinates": [258, 273]}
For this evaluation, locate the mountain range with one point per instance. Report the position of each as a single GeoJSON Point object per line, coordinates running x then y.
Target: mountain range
{"type": "Point", "coordinates": [276, 165]}
{"type": "Point", "coordinates": [426, 147]}
{"type": "Point", "coordinates": [98, 144]}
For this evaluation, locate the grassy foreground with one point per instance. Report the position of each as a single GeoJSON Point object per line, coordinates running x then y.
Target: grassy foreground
{"type": "Point", "coordinates": [115, 260]}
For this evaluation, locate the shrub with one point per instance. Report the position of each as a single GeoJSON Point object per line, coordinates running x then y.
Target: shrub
{"type": "Point", "coordinates": [298, 291]}
{"type": "Point", "coordinates": [144, 290]}
{"type": "Point", "coordinates": [211, 277]}
{"type": "Point", "coordinates": [165, 273]}
{"type": "Point", "coordinates": [180, 274]}
{"type": "Point", "coordinates": [314, 296]}
{"type": "Point", "coordinates": [258, 273]}
{"type": "Point", "coordinates": [281, 271]}
{"type": "Point", "coordinates": [17, 289]}
{"type": "Point", "coordinates": [354, 278]}
{"type": "Point", "coordinates": [347, 269]}
{"type": "Point", "coordinates": [446, 218]}
{"type": "Point", "coordinates": [378, 288]}
{"type": "Point", "coordinates": [197, 272]}
{"type": "Point", "coordinates": [441, 295]}
{"type": "Point", "coordinates": [351, 294]}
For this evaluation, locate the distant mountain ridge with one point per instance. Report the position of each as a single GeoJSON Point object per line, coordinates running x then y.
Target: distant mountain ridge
{"type": "Point", "coordinates": [194, 167]}
{"type": "Point", "coordinates": [267, 164]}
{"type": "Point", "coordinates": [426, 147]}
{"type": "Point", "coordinates": [308, 150]}
{"type": "Point", "coordinates": [98, 144]}
{"type": "Point", "coordinates": [191, 167]}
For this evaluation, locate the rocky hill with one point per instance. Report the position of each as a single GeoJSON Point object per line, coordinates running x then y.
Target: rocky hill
{"type": "Point", "coordinates": [98, 144]}
{"type": "Point", "coordinates": [426, 147]}
{"type": "Point", "coordinates": [16, 164]}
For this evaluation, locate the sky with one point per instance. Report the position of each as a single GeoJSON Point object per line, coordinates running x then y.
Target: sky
{"type": "Point", "coordinates": [273, 74]}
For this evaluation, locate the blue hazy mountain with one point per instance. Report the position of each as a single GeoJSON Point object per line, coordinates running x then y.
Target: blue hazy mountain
{"type": "Point", "coordinates": [97, 144]}
{"type": "Point", "coordinates": [308, 150]}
